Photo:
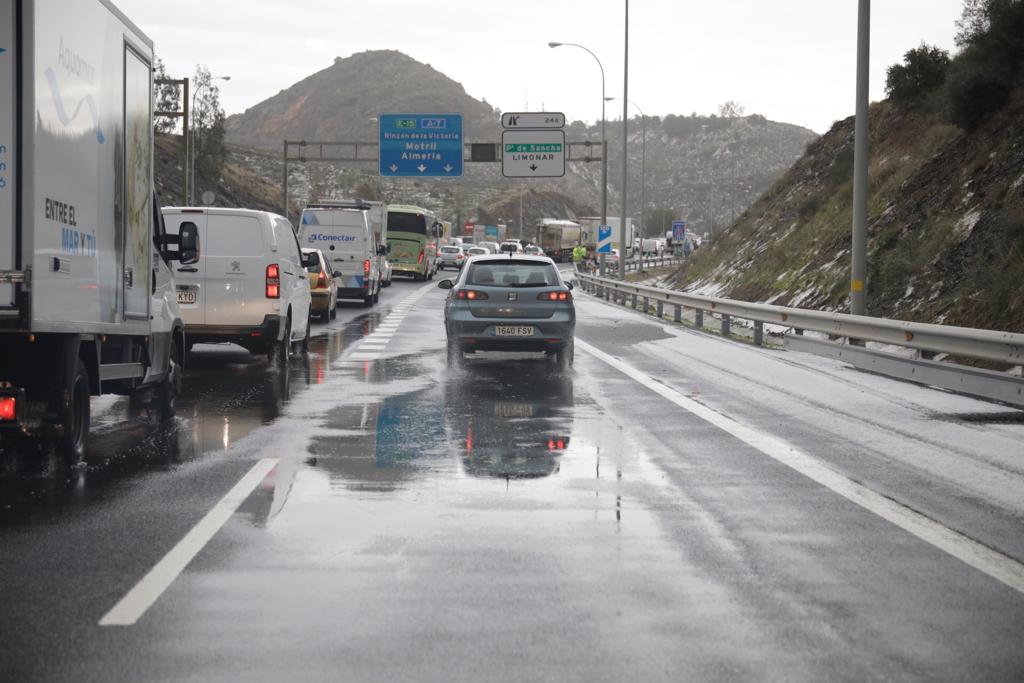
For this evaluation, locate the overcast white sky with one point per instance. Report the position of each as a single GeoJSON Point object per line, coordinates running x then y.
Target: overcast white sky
{"type": "Point", "coordinates": [791, 60]}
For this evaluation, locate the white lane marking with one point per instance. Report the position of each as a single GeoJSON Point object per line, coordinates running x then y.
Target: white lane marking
{"type": "Point", "coordinates": [134, 604]}
{"type": "Point", "coordinates": [1001, 567]}
{"type": "Point", "coordinates": [372, 347]}
{"type": "Point", "coordinates": [364, 356]}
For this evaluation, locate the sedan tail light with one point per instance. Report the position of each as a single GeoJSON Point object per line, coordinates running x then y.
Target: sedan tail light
{"type": "Point", "coordinates": [273, 281]}
{"type": "Point", "coordinates": [554, 296]}
{"type": "Point", "coordinates": [321, 281]}
{"type": "Point", "coordinates": [471, 295]}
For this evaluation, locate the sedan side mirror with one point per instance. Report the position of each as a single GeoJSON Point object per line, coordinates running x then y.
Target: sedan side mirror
{"type": "Point", "coordinates": [445, 284]}
{"type": "Point", "coordinates": [569, 285]}
{"type": "Point", "coordinates": [188, 243]}
{"type": "Point", "coordinates": [382, 250]}
{"type": "Point", "coordinates": [336, 273]}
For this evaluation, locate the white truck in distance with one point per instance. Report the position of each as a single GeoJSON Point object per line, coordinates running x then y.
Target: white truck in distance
{"type": "Point", "coordinates": [87, 297]}
{"type": "Point", "coordinates": [588, 234]}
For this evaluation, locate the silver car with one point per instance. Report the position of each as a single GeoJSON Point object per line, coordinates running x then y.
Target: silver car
{"type": "Point", "coordinates": [450, 256]}
{"type": "Point", "coordinates": [510, 303]}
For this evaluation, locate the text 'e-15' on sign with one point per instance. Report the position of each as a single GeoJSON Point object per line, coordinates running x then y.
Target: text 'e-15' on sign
{"type": "Point", "coordinates": [533, 153]}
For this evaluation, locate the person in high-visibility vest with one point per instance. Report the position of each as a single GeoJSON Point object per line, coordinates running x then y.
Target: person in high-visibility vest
{"type": "Point", "coordinates": [579, 252]}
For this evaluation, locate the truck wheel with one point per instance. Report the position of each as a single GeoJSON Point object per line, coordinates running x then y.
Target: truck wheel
{"type": "Point", "coordinates": [75, 417]}
{"type": "Point", "coordinates": [168, 391]}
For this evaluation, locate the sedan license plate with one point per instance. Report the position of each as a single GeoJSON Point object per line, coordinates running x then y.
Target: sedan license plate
{"type": "Point", "coordinates": [186, 296]}
{"type": "Point", "coordinates": [513, 331]}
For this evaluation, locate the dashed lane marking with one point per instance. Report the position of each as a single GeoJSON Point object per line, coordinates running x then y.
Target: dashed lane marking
{"type": "Point", "coordinates": [147, 591]}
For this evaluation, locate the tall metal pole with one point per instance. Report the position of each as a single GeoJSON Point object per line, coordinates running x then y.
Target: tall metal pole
{"type": "Point", "coordinates": [284, 184]}
{"type": "Point", "coordinates": [623, 233]}
{"type": "Point", "coordinates": [859, 266]}
{"type": "Point", "coordinates": [643, 176]}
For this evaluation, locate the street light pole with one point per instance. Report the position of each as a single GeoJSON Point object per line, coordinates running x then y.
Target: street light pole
{"type": "Point", "coordinates": [859, 256]}
{"type": "Point", "coordinates": [604, 151]}
{"type": "Point", "coordinates": [643, 176]}
{"type": "Point", "coordinates": [623, 233]}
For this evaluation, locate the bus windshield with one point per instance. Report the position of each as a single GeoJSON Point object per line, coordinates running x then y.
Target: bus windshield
{"type": "Point", "coordinates": [407, 222]}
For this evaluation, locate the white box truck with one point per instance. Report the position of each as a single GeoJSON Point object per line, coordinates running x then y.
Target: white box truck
{"type": "Point", "coordinates": [87, 296]}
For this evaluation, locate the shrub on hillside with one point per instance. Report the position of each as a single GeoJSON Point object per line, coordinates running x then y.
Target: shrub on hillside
{"type": "Point", "coordinates": [983, 75]}
{"type": "Point", "coordinates": [910, 84]}
{"type": "Point", "coordinates": [973, 92]}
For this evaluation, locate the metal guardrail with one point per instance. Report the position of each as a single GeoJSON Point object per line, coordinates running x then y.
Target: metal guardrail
{"type": "Point", "coordinates": [1003, 347]}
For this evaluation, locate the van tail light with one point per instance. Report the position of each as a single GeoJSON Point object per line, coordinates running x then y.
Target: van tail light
{"type": "Point", "coordinates": [471, 295]}
{"type": "Point", "coordinates": [554, 296]}
{"type": "Point", "coordinates": [421, 256]}
{"type": "Point", "coordinates": [366, 266]}
{"type": "Point", "coordinates": [273, 281]}
{"type": "Point", "coordinates": [8, 408]}
{"type": "Point", "coordinates": [321, 281]}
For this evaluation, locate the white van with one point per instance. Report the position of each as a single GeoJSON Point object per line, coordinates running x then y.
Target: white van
{"type": "Point", "coordinates": [343, 232]}
{"type": "Point", "coordinates": [249, 286]}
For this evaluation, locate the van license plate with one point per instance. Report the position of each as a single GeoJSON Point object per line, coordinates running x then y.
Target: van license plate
{"type": "Point", "coordinates": [186, 296]}
{"type": "Point", "coordinates": [513, 331]}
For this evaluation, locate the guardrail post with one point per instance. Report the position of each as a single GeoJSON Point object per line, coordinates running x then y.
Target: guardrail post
{"type": "Point", "coordinates": [679, 314]}
{"type": "Point", "coordinates": [634, 300]}
{"type": "Point", "coordinates": [726, 325]}
{"type": "Point", "coordinates": [758, 333]}
{"type": "Point", "coordinates": [647, 304]}
{"type": "Point", "coordinates": [607, 294]}
{"type": "Point", "coordinates": [698, 318]}
{"type": "Point", "coordinates": [661, 309]}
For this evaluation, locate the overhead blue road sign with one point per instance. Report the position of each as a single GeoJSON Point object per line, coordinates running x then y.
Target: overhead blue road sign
{"type": "Point", "coordinates": [420, 145]}
{"type": "Point", "coordinates": [604, 239]}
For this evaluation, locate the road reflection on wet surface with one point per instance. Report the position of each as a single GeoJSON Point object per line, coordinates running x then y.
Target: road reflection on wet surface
{"type": "Point", "coordinates": [228, 394]}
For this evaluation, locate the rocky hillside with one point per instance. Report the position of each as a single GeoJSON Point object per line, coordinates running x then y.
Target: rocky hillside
{"type": "Point", "coordinates": [706, 168]}
{"type": "Point", "coordinates": [946, 224]}
{"type": "Point", "coordinates": [340, 102]}
{"type": "Point", "coordinates": [239, 185]}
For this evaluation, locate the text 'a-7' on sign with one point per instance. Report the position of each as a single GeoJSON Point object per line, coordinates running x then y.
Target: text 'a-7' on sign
{"type": "Point", "coordinates": [533, 153]}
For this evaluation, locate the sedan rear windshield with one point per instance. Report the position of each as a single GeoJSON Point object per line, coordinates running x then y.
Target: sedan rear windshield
{"type": "Point", "coordinates": [512, 274]}
{"type": "Point", "coordinates": [450, 250]}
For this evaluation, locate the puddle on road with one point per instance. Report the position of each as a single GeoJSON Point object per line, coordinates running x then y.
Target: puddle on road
{"type": "Point", "coordinates": [228, 394]}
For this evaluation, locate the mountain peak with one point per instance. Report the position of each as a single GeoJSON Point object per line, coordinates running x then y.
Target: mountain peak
{"type": "Point", "coordinates": [338, 103]}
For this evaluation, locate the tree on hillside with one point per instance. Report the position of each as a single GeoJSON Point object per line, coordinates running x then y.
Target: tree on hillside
{"type": "Point", "coordinates": [167, 97]}
{"type": "Point", "coordinates": [922, 72]}
{"type": "Point", "coordinates": [207, 124]}
{"type": "Point", "coordinates": [731, 110]}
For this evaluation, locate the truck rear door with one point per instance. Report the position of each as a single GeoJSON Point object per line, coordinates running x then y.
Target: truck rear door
{"type": "Point", "coordinates": [137, 250]}
{"type": "Point", "coordinates": [8, 142]}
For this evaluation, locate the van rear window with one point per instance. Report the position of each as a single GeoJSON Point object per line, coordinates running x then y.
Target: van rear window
{"type": "Point", "coordinates": [233, 236]}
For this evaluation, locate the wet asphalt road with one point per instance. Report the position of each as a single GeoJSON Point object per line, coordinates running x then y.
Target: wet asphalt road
{"type": "Point", "coordinates": [507, 522]}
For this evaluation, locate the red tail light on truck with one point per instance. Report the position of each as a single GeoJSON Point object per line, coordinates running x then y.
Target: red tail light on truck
{"type": "Point", "coordinates": [273, 281]}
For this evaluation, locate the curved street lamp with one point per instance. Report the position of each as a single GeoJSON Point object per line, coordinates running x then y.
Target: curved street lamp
{"type": "Point", "coordinates": [604, 144]}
